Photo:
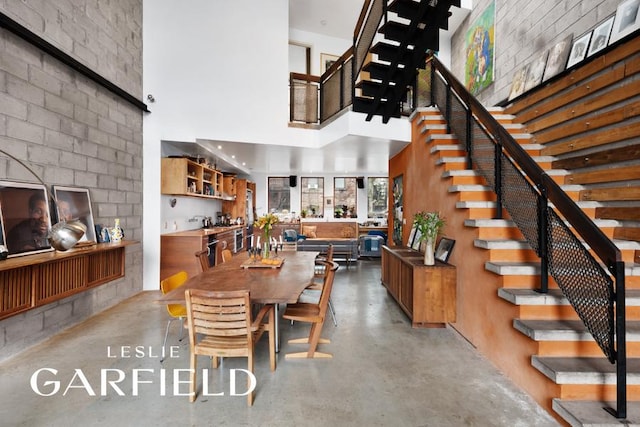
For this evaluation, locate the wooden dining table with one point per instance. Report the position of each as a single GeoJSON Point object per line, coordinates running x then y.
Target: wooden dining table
{"type": "Point", "coordinates": [266, 284]}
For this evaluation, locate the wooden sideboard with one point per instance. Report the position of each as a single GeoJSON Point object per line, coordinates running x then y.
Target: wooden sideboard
{"type": "Point", "coordinates": [31, 281]}
{"type": "Point", "coordinates": [426, 293]}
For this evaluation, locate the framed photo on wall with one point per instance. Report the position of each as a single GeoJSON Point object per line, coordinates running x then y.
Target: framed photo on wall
{"type": "Point", "coordinates": [326, 61]}
{"type": "Point", "coordinates": [25, 218]}
{"type": "Point", "coordinates": [627, 20]}
{"type": "Point", "coordinates": [579, 49]}
{"type": "Point", "coordinates": [444, 248]}
{"type": "Point", "coordinates": [535, 71]}
{"type": "Point", "coordinates": [600, 37]}
{"type": "Point", "coordinates": [75, 203]}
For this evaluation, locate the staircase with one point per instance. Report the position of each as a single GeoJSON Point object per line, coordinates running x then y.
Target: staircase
{"type": "Point", "coordinates": [573, 371]}
{"type": "Point", "coordinates": [413, 30]}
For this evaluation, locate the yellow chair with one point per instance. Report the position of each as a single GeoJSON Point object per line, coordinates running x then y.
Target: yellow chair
{"type": "Point", "coordinates": [176, 311]}
{"type": "Point", "coordinates": [220, 325]}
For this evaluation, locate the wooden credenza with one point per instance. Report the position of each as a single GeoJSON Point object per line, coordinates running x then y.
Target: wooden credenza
{"type": "Point", "coordinates": [426, 293]}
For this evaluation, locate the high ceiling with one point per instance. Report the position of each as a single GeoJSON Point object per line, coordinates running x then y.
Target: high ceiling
{"type": "Point", "coordinates": [348, 155]}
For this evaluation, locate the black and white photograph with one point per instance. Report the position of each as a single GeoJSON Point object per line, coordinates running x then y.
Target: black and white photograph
{"type": "Point", "coordinates": [627, 20]}
{"type": "Point", "coordinates": [518, 82]}
{"type": "Point", "coordinates": [579, 49]}
{"type": "Point", "coordinates": [75, 203]}
{"type": "Point", "coordinates": [536, 70]}
{"type": "Point", "coordinates": [444, 248]}
{"type": "Point", "coordinates": [25, 217]}
{"type": "Point", "coordinates": [558, 56]}
{"type": "Point", "coordinates": [600, 37]}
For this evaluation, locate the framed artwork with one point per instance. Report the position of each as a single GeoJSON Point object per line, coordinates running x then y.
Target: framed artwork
{"type": "Point", "coordinates": [412, 236]}
{"type": "Point", "coordinates": [518, 82]}
{"type": "Point", "coordinates": [444, 248]}
{"type": "Point", "coordinates": [600, 37]}
{"type": "Point", "coordinates": [416, 243]}
{"type": "Point", "coordinates": [75, 203]}
{"type": "Point", "coordinates": [558, 56]}
{"type": "Point", "coordinates": [326, 61]}
{"type": "Point", "coordinates": [25, 218]}
{"type": "Point", "coordinates": [627, 20]}
{"type": "Point", "coordinates": [579, 49]}
{"type": "Point", "coordinates": [479, 48]}
{"type": "Point", "coordinates": [398, 206]}
{"type": "Point", "coordinates": [536, 70]}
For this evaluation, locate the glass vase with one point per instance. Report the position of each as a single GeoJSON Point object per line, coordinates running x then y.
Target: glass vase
{"type": "Point", "coordinates": [266, 244]}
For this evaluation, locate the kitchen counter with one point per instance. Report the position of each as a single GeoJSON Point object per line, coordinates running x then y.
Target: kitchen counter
{"type": "Point", "coordinates": [205, 231]}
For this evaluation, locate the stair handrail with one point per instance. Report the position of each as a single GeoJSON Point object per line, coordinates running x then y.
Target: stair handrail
{"type": "Point", "coordinates": [549, 190]}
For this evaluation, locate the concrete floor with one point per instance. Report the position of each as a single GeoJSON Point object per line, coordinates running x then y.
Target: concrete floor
{"type": "Point", "coordinates": [383, 373]}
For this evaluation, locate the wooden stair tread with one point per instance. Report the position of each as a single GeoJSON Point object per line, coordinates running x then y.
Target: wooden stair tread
{"type": "Point", "coordinates": [585, 370]}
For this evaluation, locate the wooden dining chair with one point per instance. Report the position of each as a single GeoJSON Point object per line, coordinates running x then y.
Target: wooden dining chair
{"type": "Point", "coordinates": [317, 281]}
{"type": "Point", "coordinates": [220, 325]}
{"type": "Point", "coordinates": [313, 313]}
{"type": "Point", "coordinates": [176, 311]}
{"type": "Point", "coordinates": [203, 257]}
{"type": "Point", "coordinates": [226, 255]}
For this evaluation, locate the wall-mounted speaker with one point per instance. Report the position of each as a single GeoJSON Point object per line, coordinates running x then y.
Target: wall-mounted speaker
{"type": "Point", "coordinates": [360, 181]}
{"type": "Point", "coordinates": [293, 180]}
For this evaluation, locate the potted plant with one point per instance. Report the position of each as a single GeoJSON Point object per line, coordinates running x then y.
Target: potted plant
{"type": "Point", "coordinates": [429, 225]}
{"type": "Point", "coordinates": [303, 213]}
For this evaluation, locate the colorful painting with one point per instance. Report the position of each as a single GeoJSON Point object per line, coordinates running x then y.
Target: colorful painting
{"type": "Point", "coordinates": [480, 43]}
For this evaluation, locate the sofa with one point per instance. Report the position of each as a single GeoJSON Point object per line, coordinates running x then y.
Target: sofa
{"type": "Point", "coordinates": [317, 236]}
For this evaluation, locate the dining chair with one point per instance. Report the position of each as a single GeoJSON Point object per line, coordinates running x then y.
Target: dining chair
{"type": "Point", "coordinates": [313, 313]}
{"type": "Point", "coordinates": [317, 281]}
{"type": "Point", "coordinates": [226, 255]}
{"type": "Point", "coordinates": [176, 311]}
{"type": "Point", "coordinates": [220, 325]}
{"type": "Point", "coordinates": [203, 257]}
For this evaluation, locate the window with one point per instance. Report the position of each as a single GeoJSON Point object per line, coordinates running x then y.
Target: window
{"type": "Point", "coordinates": [377, 197]}
{"type": "Point", "coordinates": [279, 194]}
{"type": "Point", "coordinates": [345, 198]}
{"type": "Point", "coordinates": [311, 197]}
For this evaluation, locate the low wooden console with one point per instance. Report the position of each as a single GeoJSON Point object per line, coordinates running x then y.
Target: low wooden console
{"type": "Point", "coordinates": [34, 280]}
{"type": "Point", "coordinates": [426, 293]}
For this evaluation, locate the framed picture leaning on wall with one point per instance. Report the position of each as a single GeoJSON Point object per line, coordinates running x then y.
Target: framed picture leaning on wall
{"type": "Point", "coordinates": [627, 20]}
{"type": "Point", "coordinates": [75, 203]}
{"type": "Point", "coordinates": [600, 37]}
{"type": "Point", "coordinates": [25, 217]}
{"type": "Point", "coordinates": [579, 49]}
{"type": "Point", "coordinates": [558, 56]}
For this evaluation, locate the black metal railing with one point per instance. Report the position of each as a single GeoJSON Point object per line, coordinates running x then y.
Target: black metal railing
{"type": "Point", "coordinates": [336, 86]}
{"type": "Point", "coordinates": [522, 188]}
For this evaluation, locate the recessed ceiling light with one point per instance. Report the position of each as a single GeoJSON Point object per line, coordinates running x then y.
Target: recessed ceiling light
{"type": "Point", "coordinates": [233, 156]}
{"type": "Point", "coordinates": [219, 147]}
{"type": "Point", "coordinates": [244, 164]}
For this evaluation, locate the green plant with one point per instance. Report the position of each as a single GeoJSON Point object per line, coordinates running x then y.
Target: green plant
{"type": "Point", "coordinates": [303, 213]}
{"type": "Point", "coordinates": [429, 224]}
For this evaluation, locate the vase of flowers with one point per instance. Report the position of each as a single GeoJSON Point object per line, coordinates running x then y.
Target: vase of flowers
{"type": "Point", "coordinates": [265, 223]}
{"type": "Point", "coordinates": [429, 224]}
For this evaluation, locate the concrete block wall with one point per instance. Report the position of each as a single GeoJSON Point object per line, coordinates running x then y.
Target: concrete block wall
{"type": "Point", "coordinates": [523, 30]}
{"type": "Point", "coordinates": [74, 132]}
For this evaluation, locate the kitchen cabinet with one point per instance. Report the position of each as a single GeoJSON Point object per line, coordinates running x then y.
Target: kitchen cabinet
{"type": "Point", "coordinates": [229, 186]}
{"type": "Point", "coordinates": [181, 176]}
{"type": "Point", "coordinates": [238, 207]}
{"type": "Point", "coordinates": [426, 293]}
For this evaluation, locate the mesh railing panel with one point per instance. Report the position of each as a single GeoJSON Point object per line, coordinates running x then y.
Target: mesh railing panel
{"type": "Point", "coordinates": [330, 97]}
{"type": "Point", "coordinates": [583, 281]}
{"type": "Point", "coordinates": [304, 107]}
{"type": "Point", "coordinates": [347, 85]}
{"type": "Point", "coordinates": [483, 153]}
{"type": "Point", "coordinates": [368, 32]}
{"type": "Point", "coordinates": [520, 199]}
{"type": "Point", "coordinates": [458, 119]}
{"type": "Point", "coordinates": [439, 94]}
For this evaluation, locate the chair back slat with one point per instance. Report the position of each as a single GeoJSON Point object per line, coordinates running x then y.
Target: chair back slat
{"type": "Point", "coordinates": [330, 268]}
{"type": "Point", "coordinates": [219, 314]}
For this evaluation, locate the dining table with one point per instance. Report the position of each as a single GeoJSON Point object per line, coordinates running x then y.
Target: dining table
{"type": "Point", "coordinates": [275, 284]}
